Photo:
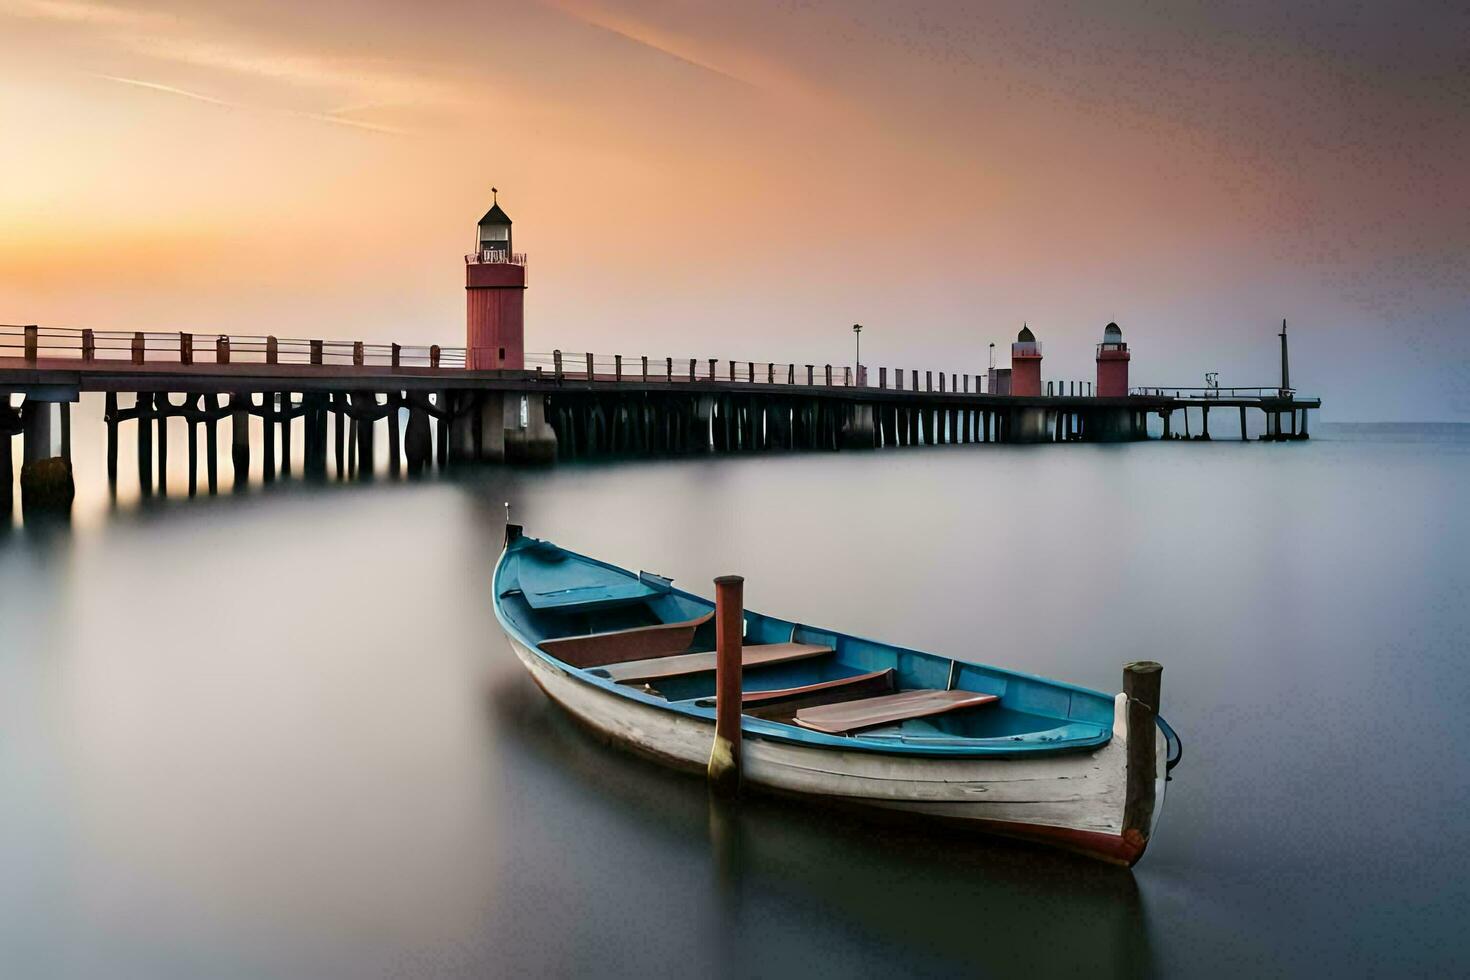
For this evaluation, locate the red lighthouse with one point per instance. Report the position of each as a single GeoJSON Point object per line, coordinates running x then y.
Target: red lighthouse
{"type": "Point", "coordinates": [495, 288]}
{"type": "Point", "coordinates": [1112, 364]}
{"type": "Point", "coordinates": [1025, 364]}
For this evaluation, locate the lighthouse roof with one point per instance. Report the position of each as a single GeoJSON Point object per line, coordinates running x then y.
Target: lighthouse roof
{"type": "Point", "coordinates": [495, 216]}
{"type": "Point", "coordinates": [1025, 336]}
{"type": "Point", "coordinates": [1112, 334]}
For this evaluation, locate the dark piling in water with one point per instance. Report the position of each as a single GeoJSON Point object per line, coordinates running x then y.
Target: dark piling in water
{"type": "Point", "coordinates": [46, 485]}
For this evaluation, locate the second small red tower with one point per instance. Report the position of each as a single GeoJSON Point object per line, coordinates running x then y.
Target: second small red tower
{"type": "Point", "coordinates": [1025, 363]}
{"type": "Point", "coordinates": [1112, 364]}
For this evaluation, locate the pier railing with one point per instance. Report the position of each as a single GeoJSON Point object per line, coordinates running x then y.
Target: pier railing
{"type": "Point", "coordinates": [143, 347]}
{"type": "Point", "coordinates": [584, 366]}
{"type": "Point", "coordinates": [36, 343]}
{"type": "Point", "coordinates": [1224, 393]}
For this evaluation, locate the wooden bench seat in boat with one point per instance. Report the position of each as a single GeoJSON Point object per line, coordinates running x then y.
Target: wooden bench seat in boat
{"type": "Point", "coordinates": [684, 664]}
{"type": "Point", "coordinates": [850, 716]}
{"type": "Point", "coordinates": [618, 646]}
{"type": "Point", "coordinates": [784, 702]}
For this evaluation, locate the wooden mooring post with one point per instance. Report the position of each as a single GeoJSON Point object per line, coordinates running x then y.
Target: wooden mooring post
{"type": "Point", "coordinates": [724, 759]}
{"type": "Point", "coordinates": [1141, 686]}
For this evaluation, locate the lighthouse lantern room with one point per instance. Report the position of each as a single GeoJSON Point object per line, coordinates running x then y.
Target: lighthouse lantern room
{"type": "Point", "coordinates": [494, 229]}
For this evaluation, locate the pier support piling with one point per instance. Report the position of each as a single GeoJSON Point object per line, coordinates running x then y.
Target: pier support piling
{"type": "Point", "coordinates": [339, 433]}
{"type": "Point", "coordinates": [268, 437]}
{"type": "Point", "coordinates": [368, 402]}
{"type": "Point", "coordinates": [288, 408]}
{"type": "Point", "coordinates": [7, 466]}
{"type": "Point", "coordinates": [417, 440]}
{"type": "Point", "coordinates": [394, 452]}
{"type": "Point", "coordinates": [109, 415]}
{"type": "Point", "coordinates": [314, 465]}
{"type": "Point", "coordinates": [160, 413]}
{"type": "Point", "coordinates": [35, 420]}
{"type": "Point", "coordinates": [441, 425]}
{"type": "Point", "coordinates": [143, 405]}
{"type": "Point", "coordinates": [211, 442]}
{"type": "Point", "coordinates": [240, 438]}
{"type": "Point", "coordinates": [193, 446]}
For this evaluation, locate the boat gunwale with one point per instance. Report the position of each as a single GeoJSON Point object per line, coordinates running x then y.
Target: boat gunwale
{"type": "Point", "coordinates": [754, 727]}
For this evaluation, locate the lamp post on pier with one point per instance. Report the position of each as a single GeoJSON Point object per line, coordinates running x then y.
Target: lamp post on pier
{"type": "Point", "coordinates": [857, 367]}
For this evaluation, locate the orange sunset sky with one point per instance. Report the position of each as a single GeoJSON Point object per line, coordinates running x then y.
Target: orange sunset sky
{"type": "Point", "coordinates": [747, 180]}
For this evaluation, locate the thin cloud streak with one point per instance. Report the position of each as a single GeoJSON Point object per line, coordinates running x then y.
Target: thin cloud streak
{"type": "Point", "coordinates": [192, 44]}
{"type": "Point", "coordinates": [641, 37]}
{"type": "Point", "coordinates": [170, 89]}
{"type": "Point", "coordinates": [739, 66]}
{"type": "Point", "coordinates": [211, 100]}
{"type": "Point", "coordinates": [77, 12]}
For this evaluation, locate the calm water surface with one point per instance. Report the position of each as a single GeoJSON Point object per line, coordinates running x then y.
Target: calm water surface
{"type": "Point", "coordinates": [279, 734]}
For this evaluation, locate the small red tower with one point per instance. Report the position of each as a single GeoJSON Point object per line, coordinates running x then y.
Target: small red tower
{"type": "Point", "coordinates": [1025, 364]}
{"type": "Point", "coordinates": [495, 287]}
{"type": "Point", "coordinates": [1112, 364]}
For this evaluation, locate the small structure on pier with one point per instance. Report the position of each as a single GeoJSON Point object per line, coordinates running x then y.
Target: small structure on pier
{"type": "Point", "coordinates": [495, 289]}
{"type": "Point", "coordinates": [1026, 364]}
{"type": "Point", "coordinates": [1112, 364]}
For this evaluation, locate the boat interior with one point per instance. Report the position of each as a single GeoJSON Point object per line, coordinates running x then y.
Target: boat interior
{"type": "Point", "coordinates": [639, 633]}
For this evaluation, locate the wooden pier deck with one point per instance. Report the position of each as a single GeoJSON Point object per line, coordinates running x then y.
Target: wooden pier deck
{"type": "Point", "coordinates": [562, 407]}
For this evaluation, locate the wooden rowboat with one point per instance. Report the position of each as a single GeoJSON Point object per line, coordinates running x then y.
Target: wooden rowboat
{"type": "Point", "coordinates": [833, 716]}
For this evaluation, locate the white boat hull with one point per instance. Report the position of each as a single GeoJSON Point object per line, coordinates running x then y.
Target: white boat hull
{"type": "Point", "coordinates": [1072, 799]}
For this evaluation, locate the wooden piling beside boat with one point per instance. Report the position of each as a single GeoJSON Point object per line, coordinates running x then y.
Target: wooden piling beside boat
{"type": "Point", "coordinates": [833, 716]}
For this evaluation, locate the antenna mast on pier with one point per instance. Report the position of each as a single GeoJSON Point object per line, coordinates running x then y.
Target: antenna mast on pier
{"type": "Point", "coordinates": [1285, 364]}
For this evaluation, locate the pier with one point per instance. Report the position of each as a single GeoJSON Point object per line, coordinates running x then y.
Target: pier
{"type": "Point", "coordinates": [436, 411]}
